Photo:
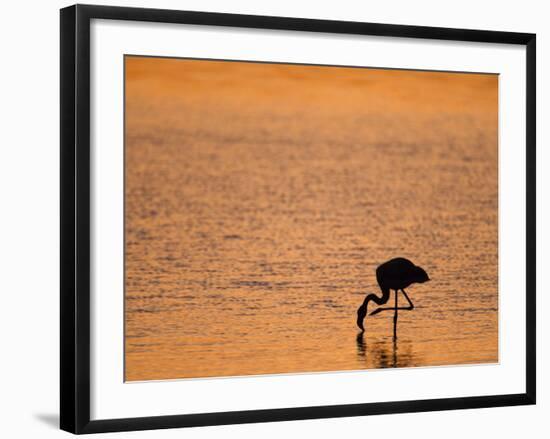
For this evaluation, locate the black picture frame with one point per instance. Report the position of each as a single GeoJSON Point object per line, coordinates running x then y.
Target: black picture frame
{"type": "Point", "coordinates": [75, 217]}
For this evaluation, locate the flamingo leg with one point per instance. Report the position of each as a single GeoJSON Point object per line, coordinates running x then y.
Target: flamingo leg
{"type": "Point", "coordinates": [395, 317]}
{"type": "Point", "coordinates": [411, 306]}
{"type": "Point", "coordinates": [376, 311]}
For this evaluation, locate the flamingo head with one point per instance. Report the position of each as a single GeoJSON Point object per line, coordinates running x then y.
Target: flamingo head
{"type": "Point", "coordinates": [361, 313]}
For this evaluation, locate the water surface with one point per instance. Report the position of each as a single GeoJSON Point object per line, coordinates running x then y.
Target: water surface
{"type": "Point", "coordinates": [260, 198]}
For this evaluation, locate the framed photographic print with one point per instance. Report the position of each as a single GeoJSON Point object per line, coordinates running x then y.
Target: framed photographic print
{"type": "Point", "coordinates": [267, 218]}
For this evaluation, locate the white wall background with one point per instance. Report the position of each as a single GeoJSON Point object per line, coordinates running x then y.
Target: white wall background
{"type": "Point", "coordinates": [29, 248]}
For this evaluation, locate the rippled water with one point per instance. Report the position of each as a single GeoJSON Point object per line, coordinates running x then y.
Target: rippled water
{"type": "Point", "coordinates": [261, 198]}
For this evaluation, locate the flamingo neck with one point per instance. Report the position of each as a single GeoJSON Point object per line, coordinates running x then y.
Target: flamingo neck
{"type": "Point", "coordinates": [376, 299]}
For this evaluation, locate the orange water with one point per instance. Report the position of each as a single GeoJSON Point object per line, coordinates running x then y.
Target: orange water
{"type": "Point", "coordinates": [260, 199]}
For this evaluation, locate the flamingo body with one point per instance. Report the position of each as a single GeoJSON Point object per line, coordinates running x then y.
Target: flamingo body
{"type": "Point", "coordinates": [399, 273]}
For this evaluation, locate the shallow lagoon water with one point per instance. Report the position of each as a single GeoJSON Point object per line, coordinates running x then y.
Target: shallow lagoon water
{"type": "Point", "coordinates": [260, 198]}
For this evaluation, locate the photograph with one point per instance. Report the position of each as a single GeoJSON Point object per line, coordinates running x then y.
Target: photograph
{"type": "Point", "coordinates": [290, 218]}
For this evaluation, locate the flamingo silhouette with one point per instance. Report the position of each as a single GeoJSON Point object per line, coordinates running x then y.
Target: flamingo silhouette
{"type": "Point", "coordinates": [395, 274]}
